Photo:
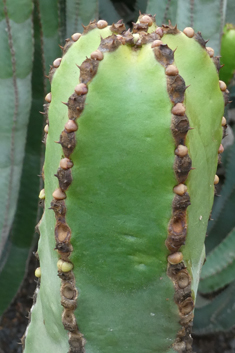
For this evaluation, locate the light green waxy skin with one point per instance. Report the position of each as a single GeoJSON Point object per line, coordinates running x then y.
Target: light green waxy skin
{"type": "Point", "coordinates": [228, 53]}
{"type": "Point", "coordinates": [120, 201]}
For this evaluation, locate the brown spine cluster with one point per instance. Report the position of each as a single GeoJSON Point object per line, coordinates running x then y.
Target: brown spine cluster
{"type": "Point", "coordinates": [177, 228]}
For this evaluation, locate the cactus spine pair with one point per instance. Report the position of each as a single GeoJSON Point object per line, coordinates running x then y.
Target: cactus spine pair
{"type": "Point", "coordinates": [141, 110]}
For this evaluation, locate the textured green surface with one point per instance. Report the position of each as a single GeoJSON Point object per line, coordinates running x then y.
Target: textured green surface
{"type": "Point", "coordinates": [220, 266]}
{"type": "Point", "coordinates": [164, 9]}
{"type": "Point", "coordinates": [80, 12]}
{"type": "Point", "coordinates": [218, 315]}
{"type": "Point", "coordinates": [228, 53]}
{"type": "Point", "coordinates": [122, 168]}
{"type": "Point", "coordinates": [107, 11]}
{"type": "Point", "coordinates": [223, 212]}
{"type": "Point", "coordinates": [202, 151]}
{"type": "Point", "coordinates": [15, 100]}
{"type": "Point", "coordinates": [48, 11]}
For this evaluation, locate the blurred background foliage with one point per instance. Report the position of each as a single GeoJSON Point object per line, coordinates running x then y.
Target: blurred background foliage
{"type": "Point", "coordinates": [31, 32]}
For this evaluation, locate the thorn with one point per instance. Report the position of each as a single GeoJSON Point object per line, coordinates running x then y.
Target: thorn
{"type": "Point", "coordinates": [43, 113]}
{"type": "Point", "coordinates": [61, 47]}
{"type": "Point", "coordinates": [65, 103]}
{"type": "Point", "coordinates": [191, 128]}
{"type": "Point", "coordinates": [206, 41]}
{"type": "Point", "coordinates": [175, 49]}
{"type": "Point", "coordinates": [78, 67]}
{"type": "Point", "coordinates": [84, 27]}
{"type": "Point", "coordinates": [58, 142]}
{"type": "Point", "coordinates": [187, 87]}
{"type": "Point", "coordinates": [192, 168]}
{"type": "Point", "coordinates": [56, 175]}
{"type": "Point", "coordinates": [46, 76]}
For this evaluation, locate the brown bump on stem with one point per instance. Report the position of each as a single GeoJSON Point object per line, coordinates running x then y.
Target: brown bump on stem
{"type": "Point", "coordinates": [178, 109]}
{"type": "Point", "coordinates": [222, 85]}
{"type": "Point", "coordinates": [69, 320]}
{"type": "Point", "coordinates": [176, 88]}
{"type": "Point", "coordinates": [186, 306]}
{"type": "Point", "coordinates": [66, 163]}
{"type": "Point", "coordinates": [172, 70]}
{"type": "Point", "coordinates": [181, 202]}
{"type": "Point", "coordinates": [156, 43]}
{"type": "Point", "coordinates": [58, 206]}
{"type": "Point", "coordinates": [224, 121]}
{"type": "Point", "coordinates": [221, 149]}
{"type": "Point", "coordinates": [186, 319]}
{"type": "Point", "coordinates": [146, 19]}
{"type": "Point", "coordinates": [76, 36]}
{"type": "Point", "coordinates": [65, 178]}
{"type": "Point", "coordinates": [179, 128]}
{"type": "Point", "coordinates": [68, 44]}
{"type": "Point", "coordinates": [118, 27]}
{"type": "Point", "coordinates": [62, 232]}
{"type": "Point", "coordinates": [183, 279]}
{"type": "Point", "coordinates": [189, 32]}
{"type": "Point", "coordinates": [102, 24]}
{"type": "Point", "coordinates": [177, 226]}
{"type": "Point", "coordinates": [169, 29]}
{"type": "Point", "coordinates": [175, 258]}
{"type": "Point", "coordinates": [198, 37]}
{"type": "Point", "coordinates": [210, 51]}
{"type": "Point", "coordinates": [181, 151]}
{"type": "Point", "coordinates": [88, 70]}
{"type": "Point", "coordinates": [139, 27]}
{"type": "Point", "coordinates": [58, 194]}
{"type": "Point", "coordinates": [216, 179]}
{"type": "Point", "coordinates": [71, 126]}
{"type": "Point", "coordinates": [56, 62]}
{"type": "Point", "coordinates": [48, 97]}
{"type": "Point", "coordinates": [76, 342]}
{"type": "Point", "coordinates": [81, 89]}
{"type": "Point", "coordinates": [68, 142]}
{"type": "Point", "coordinates": [180, 189]}
{"type": "Point", "coordinates": [182, 167]}
{"type": "Point", "coordinates": [97, 55]}
{"type": "Point", "coordinates": [164, 55]}
{"type": "Point", "coordinates": [68, 291]}
{"type": "Point", "coordinates": [46, 128]}
{"type": "Point", "coordinates": [159, 31]}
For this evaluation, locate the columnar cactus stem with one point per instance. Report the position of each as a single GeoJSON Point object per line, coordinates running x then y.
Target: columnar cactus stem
{"type": "Point", "coordinates": [128, 235]}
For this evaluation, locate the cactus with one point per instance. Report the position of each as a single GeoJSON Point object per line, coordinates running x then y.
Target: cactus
{"type": "Point", "coordinates": [124, 211]}
{"type": "Point", "coordinates": [228, 53]}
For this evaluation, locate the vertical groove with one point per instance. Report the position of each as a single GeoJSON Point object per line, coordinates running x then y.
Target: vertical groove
{"type": "Point", "coordinates": [221, 21]}
{"type": "Point", "coordinates": [16, 104]}
{"type": "Point", "coordinates": [166, 11]}
{"type": "Point", "coordinates": [42, 47]}
{"type": "Point", "coordinates": [191, 12]}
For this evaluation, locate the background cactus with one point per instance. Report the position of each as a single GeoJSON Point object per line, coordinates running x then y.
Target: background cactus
{"type": "Point", "coordinates": [111, 223]}
{"type": "Point", "coordinates": [53, 29]}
